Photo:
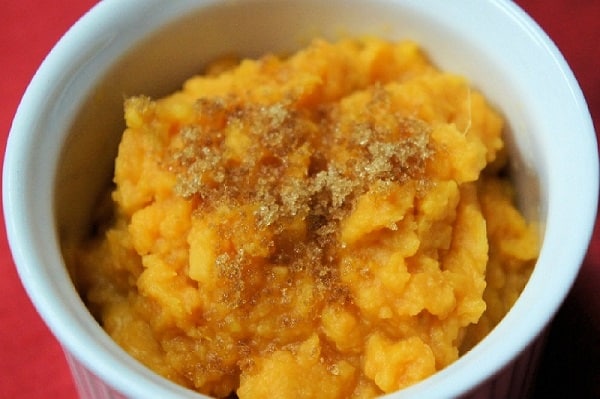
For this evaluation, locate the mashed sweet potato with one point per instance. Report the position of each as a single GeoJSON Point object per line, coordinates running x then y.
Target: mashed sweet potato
{"type": "Point", "coordinates": [332, 224]}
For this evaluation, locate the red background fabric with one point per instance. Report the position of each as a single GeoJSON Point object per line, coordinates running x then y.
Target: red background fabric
{"type": "Point", "coordinates": [31, 362]}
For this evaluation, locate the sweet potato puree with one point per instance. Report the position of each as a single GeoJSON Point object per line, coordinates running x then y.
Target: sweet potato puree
{"type": "Point", "coordinates": [332, 224]}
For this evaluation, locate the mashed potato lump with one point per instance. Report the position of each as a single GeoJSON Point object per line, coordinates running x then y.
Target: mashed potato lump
{"type": "Point", "coordinates": [332, 224]}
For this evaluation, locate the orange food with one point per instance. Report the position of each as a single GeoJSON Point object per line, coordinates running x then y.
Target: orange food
{"type": "Point", "coordinates": [334, 217]}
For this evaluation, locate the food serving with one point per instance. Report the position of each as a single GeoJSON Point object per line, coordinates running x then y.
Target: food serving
{"type": "Point", "coordinates": [335, 223]}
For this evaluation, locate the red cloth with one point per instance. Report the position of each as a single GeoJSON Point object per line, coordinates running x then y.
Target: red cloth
{"type": "Point", "coordinates": [31, 362]}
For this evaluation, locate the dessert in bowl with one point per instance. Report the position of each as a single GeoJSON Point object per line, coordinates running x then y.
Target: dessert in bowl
{"type": "Point", "coordinates": [77, 136]}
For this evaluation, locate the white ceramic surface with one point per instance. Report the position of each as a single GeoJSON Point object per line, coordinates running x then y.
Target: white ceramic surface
{"type": "Point", "coordinates": [64, 136]}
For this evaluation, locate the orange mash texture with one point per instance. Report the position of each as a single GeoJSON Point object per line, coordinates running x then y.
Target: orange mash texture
{"type": "Point", "coordinates": [333, 224]}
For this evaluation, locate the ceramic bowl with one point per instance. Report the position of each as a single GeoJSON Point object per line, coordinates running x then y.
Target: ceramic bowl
{"type": "Point", "coordinates": [64, 137]}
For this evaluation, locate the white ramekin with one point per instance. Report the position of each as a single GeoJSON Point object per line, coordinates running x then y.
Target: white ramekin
{"type": "Point", "coordinates": [63, 141]}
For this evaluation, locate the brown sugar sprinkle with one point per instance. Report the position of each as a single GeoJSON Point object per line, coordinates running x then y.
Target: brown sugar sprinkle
{"type": "Point", "coordinates": [289, 168]}
{"type": "Point", "coordinates": [205, 169]}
